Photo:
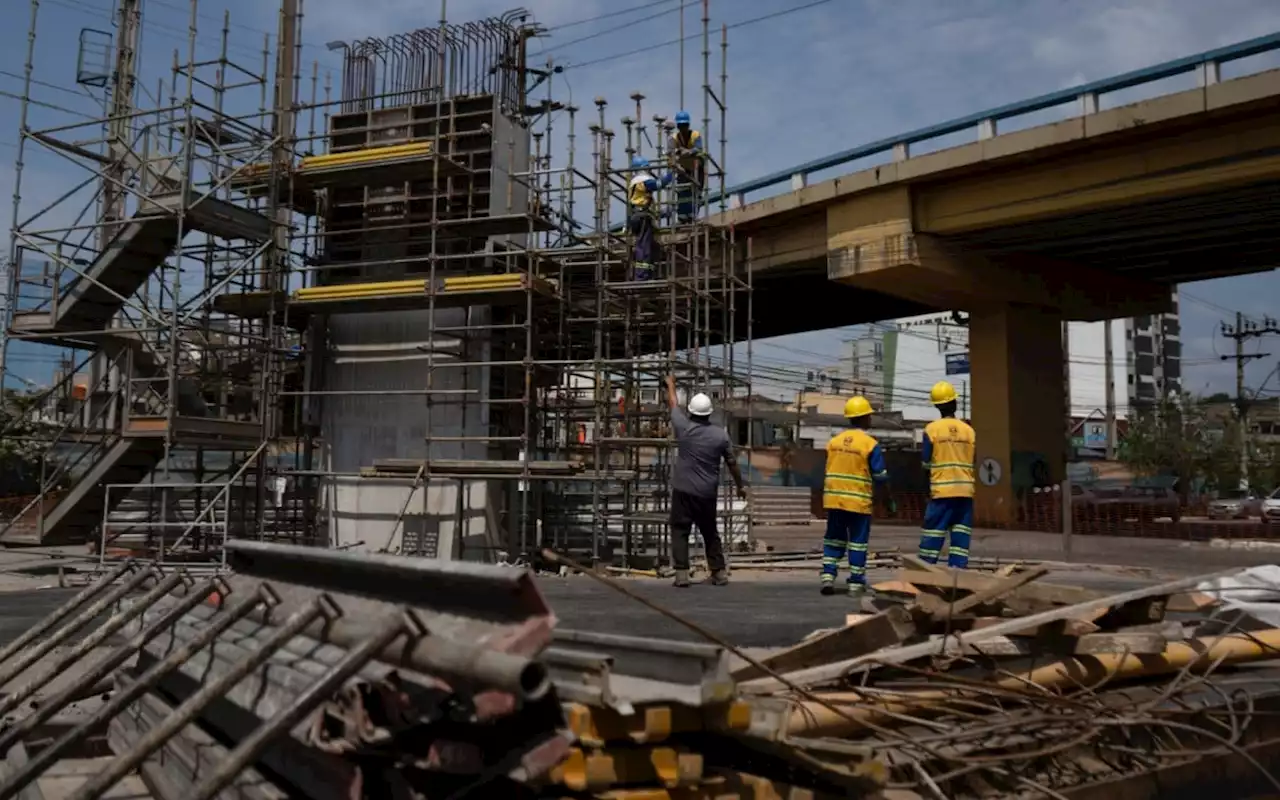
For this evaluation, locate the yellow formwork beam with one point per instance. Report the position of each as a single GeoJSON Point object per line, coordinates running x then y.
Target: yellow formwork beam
{"type": "Point", "coordinates": [364, 156]}
{"type": "Point", "coordinates": [595, 770]}
{"type": "Point", "coordinates": [651, 724]}
{"type": "Point", "coordinates": [452, 285]}
{"type": "Point", "coordinates": [811, 718]}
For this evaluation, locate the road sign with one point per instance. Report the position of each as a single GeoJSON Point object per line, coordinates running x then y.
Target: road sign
{"type": "Point", "coordinates": [989, 472]}
{"type": "Point", "coordinates": [957, 363]}
{"type": "Point", "coordinates": [1095, 434]}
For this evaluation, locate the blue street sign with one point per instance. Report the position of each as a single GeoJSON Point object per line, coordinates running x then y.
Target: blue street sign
{"type": "Point", "coordinates": [957, 363]}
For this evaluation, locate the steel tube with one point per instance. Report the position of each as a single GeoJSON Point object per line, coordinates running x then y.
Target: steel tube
{"type": "Point", "coordinates": [91, 641]}
{"type": "Point", "coordinates": [126, 695]}
{"type": "Point", "coordinates": [251, 748]}
{"type": "Point", "coordinates": [66, 608]}
{"type": "Point", "coordinates": [191, 707]}
{"type": "Point", "coordinates": [49, 708]}
{"type": "Point", "coordinates": [41, 650]}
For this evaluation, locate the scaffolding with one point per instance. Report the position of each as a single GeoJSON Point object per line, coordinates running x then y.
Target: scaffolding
{"type": "Point", "coordinates": [400, 323]}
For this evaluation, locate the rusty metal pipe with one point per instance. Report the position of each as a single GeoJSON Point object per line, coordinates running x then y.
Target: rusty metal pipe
{"type": "Point", "coordinates": [193, 705]}
{"type": "Point", "coordinates": [91, 680]}
{"type": "Point", "coordinates": [45, 758]}
{"type": "Point", "coordinates": [91, 641]}
{"type": "Point", "coordinates": [810, 718]}
{"type": "Point", "coordinates": [85, 594]}
{"type": "Point", "coordinates": [251, 748]}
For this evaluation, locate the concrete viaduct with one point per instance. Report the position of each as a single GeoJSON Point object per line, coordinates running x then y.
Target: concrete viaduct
{"type": "Point", "coordinates": [1094, 217]}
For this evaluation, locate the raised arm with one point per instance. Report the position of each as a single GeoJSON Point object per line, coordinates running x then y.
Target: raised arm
{"type": "Point", "coordinates": [731, 461]}
{"type": "Point", "coordinates": [672, 400]}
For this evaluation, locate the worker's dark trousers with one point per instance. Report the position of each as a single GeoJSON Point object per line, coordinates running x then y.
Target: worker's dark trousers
{"type": "Point", "coordinates": [645, 253]}
{"type": "Point", "coordinates": [687, 201]}
{"type": "Point", "coordinates": [688, 510]}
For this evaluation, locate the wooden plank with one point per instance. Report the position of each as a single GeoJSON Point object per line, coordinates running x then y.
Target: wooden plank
{"type": "Point", "coordinates": [995, 591]}
{"type": "Point", "coordinates": [1061, 627]}
{"type": "Point", "coordinates": [904, 654]}
{"type": "Point", "coordinates": [915, 563]}
{"type": "Point", "coordinates": [973, 582]}
{"type": "Point", "coordinates": [1089, 644]}
{"type": "Point", "coordinates": [889, 627]}
{"type": "Point", "coordinates": [1190, 602]}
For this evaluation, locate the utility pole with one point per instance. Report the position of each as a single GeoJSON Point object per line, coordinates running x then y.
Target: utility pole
{"type": "Point", "coordinates": [119, 120]}
{"type": "Point", "coordinates": [115, 173]}
{"type": "Point", "coordinates": [1242, 330]}
{"type": "Point", "coordinates": [1109, 360]}
{"type": "Point", "coordinates": [1066, 388]}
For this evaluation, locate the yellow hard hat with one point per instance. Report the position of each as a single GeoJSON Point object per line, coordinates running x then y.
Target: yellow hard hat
{"type": "Point", "coordinates": [942, 392]}
{"type": "Point", "coordinates": [857, 407]}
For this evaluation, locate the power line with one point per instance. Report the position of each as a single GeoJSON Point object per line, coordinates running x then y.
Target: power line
{"type": "Point", "coordinates": [696, 36]}
{"type": "Point", "coordinates": [608, 15]}
{"type": "Point", "coordinates": [614, 29]}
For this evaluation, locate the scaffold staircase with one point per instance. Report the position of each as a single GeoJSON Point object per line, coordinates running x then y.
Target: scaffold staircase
{"type": "Point", "coordinates": [90, 300]}
{"type": "Point", "coordinates": [68, 516]}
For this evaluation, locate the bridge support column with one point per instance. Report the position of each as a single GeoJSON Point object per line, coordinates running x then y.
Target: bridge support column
{"type": "Point", "coordinates": [1019, 405]}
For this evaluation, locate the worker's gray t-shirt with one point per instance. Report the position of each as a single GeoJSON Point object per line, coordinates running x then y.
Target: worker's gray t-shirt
{"type": "Point", "coordinates": [701, 447]}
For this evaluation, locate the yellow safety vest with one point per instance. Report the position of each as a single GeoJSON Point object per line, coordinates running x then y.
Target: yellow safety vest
{"type": "Point", "coordinates": [638, 193]}
{"type": "Point", "coordinates": [677, 141]}
{"type": "Point", "coordinates": [951, 466]}
{"type": "Point", "coordinates": [847, 485]}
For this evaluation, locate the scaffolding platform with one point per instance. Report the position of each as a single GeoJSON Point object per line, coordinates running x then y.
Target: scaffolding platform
{"type": "Point", "coordinates": [365, 298]}
{"type": "Point", "coordinates": [374, 166]}
{"type": "Point", "coordinates": [210, 433]}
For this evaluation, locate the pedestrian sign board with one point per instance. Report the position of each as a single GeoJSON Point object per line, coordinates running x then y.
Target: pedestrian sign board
{"type": "Point", "coordinates": [989, 472]}
{"type": "Point", "coordinates": [1095, 434]}
{"type": "Point", "coordinates": [957, 363]}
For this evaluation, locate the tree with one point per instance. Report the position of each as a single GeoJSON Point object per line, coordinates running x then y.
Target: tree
{"type": "Point", "coordinates": [19, 452]}
{"type": "Point", "coordinates": [1176, 438]}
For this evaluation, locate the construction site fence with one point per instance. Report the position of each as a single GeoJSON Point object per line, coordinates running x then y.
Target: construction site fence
{"type": "Point", "coordinates": [1041, 510]}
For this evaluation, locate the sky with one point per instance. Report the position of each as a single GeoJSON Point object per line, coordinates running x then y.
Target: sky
{"type": "Point", "coordinates": [811, 79]}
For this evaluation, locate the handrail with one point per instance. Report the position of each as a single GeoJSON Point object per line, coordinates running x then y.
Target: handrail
{"type": "Point", "coordinates": [1207, 63]}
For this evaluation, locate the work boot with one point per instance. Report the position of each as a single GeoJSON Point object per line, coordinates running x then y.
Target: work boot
{"type": "Point", "coordinates": [828, 588]}
{"type": "Point", "coordinates": [643, 271]}
{"type": "Point", "coordinates": [682, 579]}
{"type": "Point", "coordinates": [720, 578]}
{"type": "Point", "coordinates": [857, 591]}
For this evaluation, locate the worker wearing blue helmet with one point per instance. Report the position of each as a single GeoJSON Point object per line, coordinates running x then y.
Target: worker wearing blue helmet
{"type": "Point", "coordinates": [688, 165]}
{"type": "Point", "coordinates": [642, 201]}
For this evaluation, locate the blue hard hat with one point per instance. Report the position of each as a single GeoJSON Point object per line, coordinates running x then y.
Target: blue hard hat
{"type": "Point", "coordinates": [639, 162]}
{"type": "Point", "coordinates": [682, 117]}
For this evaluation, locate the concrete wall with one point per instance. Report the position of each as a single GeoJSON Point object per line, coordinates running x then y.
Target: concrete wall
{"type": "Point", "coordinates": [371, 352]}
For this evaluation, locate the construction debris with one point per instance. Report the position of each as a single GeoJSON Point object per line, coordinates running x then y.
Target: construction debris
{"type": "Point", "coordinates": [323, 674]}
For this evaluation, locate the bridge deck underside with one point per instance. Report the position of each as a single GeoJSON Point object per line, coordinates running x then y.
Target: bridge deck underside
{"type": "Point", "coordinates": [1170, 241]}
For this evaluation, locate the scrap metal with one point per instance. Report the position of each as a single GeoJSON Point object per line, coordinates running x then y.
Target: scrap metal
{"type": "Point", "coordinates": [326, 674]}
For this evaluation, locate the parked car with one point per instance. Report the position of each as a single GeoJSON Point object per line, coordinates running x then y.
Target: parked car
{"type": "Point", "coordinates": [1236, 504]}
{"type": "Point", "coordinates": [1271, 508]}
{"type": "Point", "coordinates": [1144, 503]}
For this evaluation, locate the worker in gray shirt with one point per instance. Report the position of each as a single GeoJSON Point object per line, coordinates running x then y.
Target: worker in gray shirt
{"type": "Point", "coordinates": [701, 447]}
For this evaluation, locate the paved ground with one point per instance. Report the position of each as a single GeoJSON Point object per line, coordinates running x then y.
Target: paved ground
{"type": "Point", "coordinates": [771, 608]}
{"type": "Point", "coordinates": [760, 611]}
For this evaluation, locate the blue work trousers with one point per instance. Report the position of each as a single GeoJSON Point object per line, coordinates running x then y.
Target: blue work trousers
{"type": "Point", "coordinates": [947, 515]}
{"type": "Point", "coordinates": [847, 532]}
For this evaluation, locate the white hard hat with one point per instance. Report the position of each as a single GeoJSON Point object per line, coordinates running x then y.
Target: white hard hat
{"type": "Point", "coordinates": [700, 405]}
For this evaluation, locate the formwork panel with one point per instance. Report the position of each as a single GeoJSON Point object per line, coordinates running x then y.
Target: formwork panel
{"type": "Point", "coordinates": [388, 352]}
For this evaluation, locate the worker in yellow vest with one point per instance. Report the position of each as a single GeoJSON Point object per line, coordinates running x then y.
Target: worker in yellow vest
{"type": "Point", "coordinates": [855, 467]}
{"type": "Point", "coordinates": [949, 447]}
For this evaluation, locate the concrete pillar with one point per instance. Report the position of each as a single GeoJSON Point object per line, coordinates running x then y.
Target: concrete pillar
{"type": "Point", "coordinates": [901, 151]}
{"type": "Point", "coordinates": [1015, 354]}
